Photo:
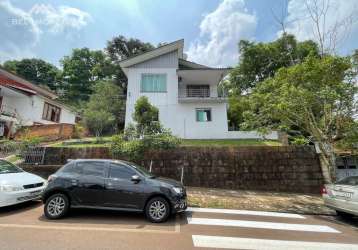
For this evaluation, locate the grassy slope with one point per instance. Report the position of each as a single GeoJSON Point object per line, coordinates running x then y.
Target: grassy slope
{"type": "Point", "coordinates": [239, 142]}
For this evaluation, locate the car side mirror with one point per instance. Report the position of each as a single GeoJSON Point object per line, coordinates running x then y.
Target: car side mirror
{"type": "Point", "coordinates": [135, 178]}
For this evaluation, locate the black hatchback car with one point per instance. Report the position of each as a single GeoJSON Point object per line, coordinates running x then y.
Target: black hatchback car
{"type": "Point", "coordinates": [114, 185]}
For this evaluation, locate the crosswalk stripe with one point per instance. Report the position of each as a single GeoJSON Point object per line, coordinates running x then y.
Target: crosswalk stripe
{"type": "Point", "coordinates": [262, 244]}
{"type": "Point", "coordinates": [262, 225]}
{"type": "Point", "coordinates": [244, 212]}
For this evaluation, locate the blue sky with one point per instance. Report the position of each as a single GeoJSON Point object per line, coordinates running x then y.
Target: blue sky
{"type": "Point", "coordinates": [211, 28]}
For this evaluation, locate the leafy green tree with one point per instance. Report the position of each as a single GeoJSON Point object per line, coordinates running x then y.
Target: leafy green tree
{"type": "Point", "coordinates": [81, 70]}
{"type": "Point", "coordinates": [238, 104]}
{"type": "Point", "coordinates": [316, 96]}
{"type": "Point", "coordinates": [146, 134]}
{"type": "Point", "coordinates": [105, 108]}
{"type": "Point", "coordinates": [98, 120]}
{"type": "Point", "coordinates": [146, 116]}
{"type": "Point", "coordinates": [258, 61]}
{"type": "Point", "coordinates": [37, 71]}
{"type": "Point", "coordinates": [120, 48]}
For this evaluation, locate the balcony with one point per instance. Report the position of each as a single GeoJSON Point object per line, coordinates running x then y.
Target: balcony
{"type": "Point", "coordinates": [7, 111]}
{"type": "Point", "coordinates": [200, 94]}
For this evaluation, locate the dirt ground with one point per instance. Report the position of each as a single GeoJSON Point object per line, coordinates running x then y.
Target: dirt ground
{"type": "Point", "coordinates": [256, 200]}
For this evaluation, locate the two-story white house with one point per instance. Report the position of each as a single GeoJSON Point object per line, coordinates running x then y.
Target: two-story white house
{"type": "Point", "coordinates": [24, 104]}
{"type": "Point", "coordinates": [186, 93]}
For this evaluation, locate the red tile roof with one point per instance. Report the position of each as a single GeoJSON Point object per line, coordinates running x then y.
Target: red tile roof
{"type": "Point", "coordinates": [7, 82]}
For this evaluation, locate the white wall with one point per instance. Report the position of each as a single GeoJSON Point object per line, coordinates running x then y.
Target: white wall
{"type": "Point", "coordinates": [179, 117]}
{"type": "Point", "coordinates": [30, 108]}
{"type": "Point", "coordinates": [251, 135]}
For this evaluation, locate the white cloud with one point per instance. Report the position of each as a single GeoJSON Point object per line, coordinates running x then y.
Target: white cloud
{"type": "Point", "coordinates": [59, 19]}
{"type": "Point", "coordinates": [22, 30]}
{"type": "Point", "coordinates": [220, 32]}
{"type": "Point", "coordinates": [301, 25]}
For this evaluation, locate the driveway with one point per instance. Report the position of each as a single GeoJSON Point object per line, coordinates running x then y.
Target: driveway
{"type": "Point", "coordinates": [25, 227]}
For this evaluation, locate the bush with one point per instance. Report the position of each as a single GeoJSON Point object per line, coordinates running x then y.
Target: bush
{"type": "Point", "coordinates": [147, 134]}
{"type": "Point", "coordinates": [161, 141]}
{"type": "Point", "coordinates": [78, 131]}
{"type": "Point", "coordinates": [130, 150]}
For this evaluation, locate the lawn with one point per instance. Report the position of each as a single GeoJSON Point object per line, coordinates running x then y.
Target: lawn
{"type": "Point", "coordinates": [84, 143]}
{"type": "Point", "coordinates": [13, 158]}
{"type": "Point", "coordinates": [105, 141]}
{"type": "Point", "coordinates": [238, 142]}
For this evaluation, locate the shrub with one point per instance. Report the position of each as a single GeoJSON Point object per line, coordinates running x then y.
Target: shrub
{"type": "Point", "coordinates": [130, 150]}
{"type": "Point", "coordinates": [78, 131]}
{"type": "Point", "coordinates": [147, 134]}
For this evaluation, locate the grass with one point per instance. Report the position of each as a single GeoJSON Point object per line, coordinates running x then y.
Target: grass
{"type": "Point", "coordinates": [84, 143]}
{"type": "Point", "coordinates": [221, 143]}
{"type": "Point", "coordinates": [105, 141]}
{"type": "Point", "coordinates": [13, 158]}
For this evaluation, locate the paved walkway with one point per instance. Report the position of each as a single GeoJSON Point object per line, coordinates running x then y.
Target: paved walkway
{"type": "Point", "coordinates": [256, 200]}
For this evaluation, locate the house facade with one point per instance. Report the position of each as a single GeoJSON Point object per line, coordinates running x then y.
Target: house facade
{"type": "Point", "coordinates": [186, 93]}
{"type": "Point", "coordinates": [24, 104]}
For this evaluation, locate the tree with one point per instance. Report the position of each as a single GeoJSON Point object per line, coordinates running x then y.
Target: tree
{"type": "Point", "coordinates": [105, 108]}
{"type": "Point", "coordinates": [146, 117]}
{"type": "Point", "coordinates": [81, 70]}
{"type": "Point", "coordinates": [37, 71]}
{"type": "Point", "coordinates": [146, 134]}
{"type": "Point", "coordinates": [120, 48]}
{"type": "Point", "coordinates": [329, 37]}
{"type": "Point", "coordinates": [259, 61]}
{"type": "Point", "coordinates": [237, 106]}
{"type": "Point", "coordinates": [316, 96]}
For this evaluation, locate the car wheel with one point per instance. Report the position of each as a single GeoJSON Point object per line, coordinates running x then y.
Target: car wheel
{"type": "Point", "coordinates": [157, 210]}
{"type": "Point", "coordinates": [56, 206]}
{"type": "Point", "coordinates": [343, 214]}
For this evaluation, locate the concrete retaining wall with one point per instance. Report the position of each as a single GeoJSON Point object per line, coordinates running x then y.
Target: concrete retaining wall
{"type": "Point", "coordinates": [287, 169]}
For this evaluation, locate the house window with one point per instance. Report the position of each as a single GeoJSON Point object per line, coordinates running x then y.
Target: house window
{"type": "Point", "coordinates": [203, 115]}
{"type": "Point", "coordinates": [153, 83]}
{"type": "Point", "coordinates": [51, 113]}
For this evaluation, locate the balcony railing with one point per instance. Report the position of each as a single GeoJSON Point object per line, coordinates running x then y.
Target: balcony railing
{"type": "Point", "coordinates": [8, 111]}
{"type": "Point", "coordinates": [198, 91]}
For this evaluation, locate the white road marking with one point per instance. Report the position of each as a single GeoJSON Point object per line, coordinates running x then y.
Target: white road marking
{"type": "Point", "coordinates": [262, 225]}
{"type": "Point", "coordinates": [261, 244]}
{"type": "Point", "coordinates": [244, 212]}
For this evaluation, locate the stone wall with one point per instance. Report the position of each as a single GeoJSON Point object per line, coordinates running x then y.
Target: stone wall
{"type": "Point", "coordinates": [284, 169]}
{"type": "Point", "coordinates": [47, 131]}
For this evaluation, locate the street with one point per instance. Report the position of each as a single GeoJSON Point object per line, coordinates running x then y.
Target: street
{"type": "Point", "coordinates": [25, 227]}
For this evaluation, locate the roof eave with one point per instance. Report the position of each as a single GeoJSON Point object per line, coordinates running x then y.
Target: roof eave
{"type": "Point", "coordinates": [177, 45]}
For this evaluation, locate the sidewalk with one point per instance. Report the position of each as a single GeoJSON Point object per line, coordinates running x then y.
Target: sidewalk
{"type": "Point", "coordinates": [258, 200]}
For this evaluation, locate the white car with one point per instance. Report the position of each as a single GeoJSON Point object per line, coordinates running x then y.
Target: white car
{"type": "Point", "coordinates": [17, 186]}
{"type": "Point", "coordinates": [342, 196]}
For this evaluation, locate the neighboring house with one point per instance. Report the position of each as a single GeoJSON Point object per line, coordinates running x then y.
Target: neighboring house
{"type": "Point", "coordinates": [24, 104]}
{"type": "Point", "coordinates": [186, 93]}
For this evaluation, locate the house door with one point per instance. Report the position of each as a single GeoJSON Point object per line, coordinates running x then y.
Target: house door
{"type": "Point", "coordinates": [0, 103]}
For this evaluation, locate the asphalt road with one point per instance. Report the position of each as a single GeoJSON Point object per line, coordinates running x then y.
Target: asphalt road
{"type": "Point", "coordinates": [25, 227]}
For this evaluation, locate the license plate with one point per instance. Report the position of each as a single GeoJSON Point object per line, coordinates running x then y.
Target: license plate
{"type": "Point", "coordinates": [344, 195]}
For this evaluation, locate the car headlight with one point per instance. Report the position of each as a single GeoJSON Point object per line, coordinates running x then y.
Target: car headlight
{"type": "Point", "coordinates": [10, 188]}
{"type": "Point", "coordinates": [178, 190]}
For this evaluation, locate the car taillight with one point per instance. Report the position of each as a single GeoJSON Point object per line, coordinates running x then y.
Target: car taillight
{"type": "Point", "coordinates": [323, 190]}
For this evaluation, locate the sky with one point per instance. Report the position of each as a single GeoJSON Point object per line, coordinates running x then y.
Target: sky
{"type": "Point", "coordinates": [211, 28]}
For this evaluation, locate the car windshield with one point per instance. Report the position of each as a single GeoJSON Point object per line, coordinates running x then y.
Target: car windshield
{"type": "Point", "coordinates": [351, 181]}
{"type": "Point", "coordinates": [7, 168]}
{"type": "Point", "coordinates": [141, 170]}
